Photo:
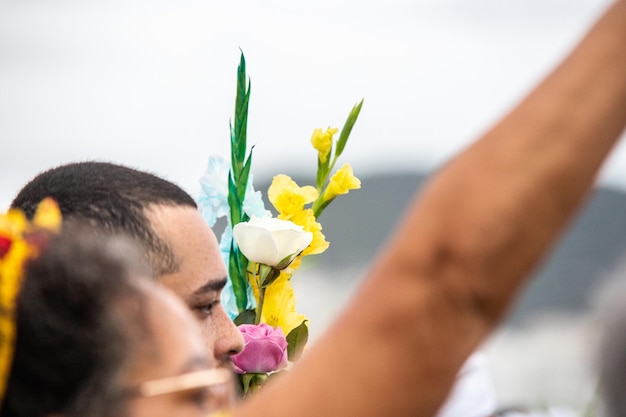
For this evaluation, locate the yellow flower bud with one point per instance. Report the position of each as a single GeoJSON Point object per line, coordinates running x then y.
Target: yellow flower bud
{"type": "Point", "coordinates": [323, 142]}
{"type": "Point", "coordinates": [341, 182]}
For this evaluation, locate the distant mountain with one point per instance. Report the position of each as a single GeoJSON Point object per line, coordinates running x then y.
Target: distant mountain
{"type": "Point", "coordinates": [357, 226]}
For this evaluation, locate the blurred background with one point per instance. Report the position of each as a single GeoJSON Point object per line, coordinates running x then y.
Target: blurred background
{"type": "Point", "coordinates": [151, 84]}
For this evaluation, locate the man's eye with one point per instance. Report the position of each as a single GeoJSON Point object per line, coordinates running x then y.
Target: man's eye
{"type": "Point", "coordinates": [204, 310]}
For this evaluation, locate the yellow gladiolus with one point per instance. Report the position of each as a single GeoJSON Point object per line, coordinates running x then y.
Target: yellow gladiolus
{"type": "Point", "coordinates": [279, 308]}
{"type": "Point", "coordinates": [323, 142]}
{"type": "Point", "coordinates": [288, 197]}
{"type": "Point", "coordinates": [306, 219]}
{"type": "Point", "coordinates": [341, 182]}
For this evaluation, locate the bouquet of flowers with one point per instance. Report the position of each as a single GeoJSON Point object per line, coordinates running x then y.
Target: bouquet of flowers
{"type": "Point", "coordinates": [262, 251]}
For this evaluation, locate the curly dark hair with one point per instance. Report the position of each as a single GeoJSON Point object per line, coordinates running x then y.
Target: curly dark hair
{"type": "Point", "coordinates": [79, 315]}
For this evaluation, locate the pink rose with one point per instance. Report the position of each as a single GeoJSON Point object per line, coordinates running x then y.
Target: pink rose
{"type": "Point", "coordinates": [265, 349]}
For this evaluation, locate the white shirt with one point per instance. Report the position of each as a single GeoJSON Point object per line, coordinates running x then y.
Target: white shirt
{"type": "Point", "coordinates": [474, 393]}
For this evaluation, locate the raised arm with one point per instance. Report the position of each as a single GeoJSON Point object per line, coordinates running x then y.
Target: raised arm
{"type": "Point", "coordinates": [465, 247]}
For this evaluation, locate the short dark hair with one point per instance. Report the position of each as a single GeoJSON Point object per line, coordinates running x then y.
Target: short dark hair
{"type": "Point", "coordinates": [111, 197]}
{"type": "Point", "coordinates": [79, 313]}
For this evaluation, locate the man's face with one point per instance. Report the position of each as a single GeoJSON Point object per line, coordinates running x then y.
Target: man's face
{"type": "Point", "coordinates": [200, 277]}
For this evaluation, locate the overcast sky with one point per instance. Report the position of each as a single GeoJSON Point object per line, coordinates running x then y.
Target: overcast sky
{"type": "Point", "coordinates": [151, 83]}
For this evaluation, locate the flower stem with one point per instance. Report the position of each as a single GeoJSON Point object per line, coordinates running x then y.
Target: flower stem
{"type": "Point", "coordinates": [319, 204]}
{"type": "Point", "coordinates": [259, 308]}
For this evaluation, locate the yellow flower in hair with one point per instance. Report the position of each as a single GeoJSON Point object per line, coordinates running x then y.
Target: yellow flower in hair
{"type": "Point", "coordinates": [288, 197]}
{"type": "Point", "coordinates": [341, 182]}
{"type": "Point", "coordinates": [323, 142]}
{"type": "Point", "coordinates": [18, 243]}
{"type": "Point", "coordinates": [48, 215]}
{"type": "Point", "coordinates": [13, 251]}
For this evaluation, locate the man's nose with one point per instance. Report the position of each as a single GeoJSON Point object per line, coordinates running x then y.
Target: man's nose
{"type": "Point", "coordinates": [229, 340]}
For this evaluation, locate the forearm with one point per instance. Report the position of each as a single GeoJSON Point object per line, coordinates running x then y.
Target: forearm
{"type": "Point", "coordinates": [495, 209]}
{"type": "Point", "coordinates": [466, 245]}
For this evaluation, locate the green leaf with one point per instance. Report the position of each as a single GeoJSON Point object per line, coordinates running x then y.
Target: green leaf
{"type": "Point", "coordinates": [237, 183]}
{"type": "Point", "coordinates": [347, 128]}
{"type": "Point", "coordinates": [287, 260]}
{"type": "Point", "coordinates": [245, 317]}
{"type": "Point", "coordinates": [253, 382]}
{"type": "Point", "coordinates": [238, 279]}
{"type": "Point", "coordinates": [241, 127]}
{"type": "Point", "coordinates": [234, 202]}
{"type": "Point", "coordinates": [246, 379]}
{"type": "Point", "coordinates": [243, 179]}
{"type": "Point", "coordinates": [296, 341]}
{"type": "Point", "coordinates": [284, 263]}
{"type": "Point", "coordinates": [268, 275]}
{"type": "Point", "coordinates": [319, 208]}
{"type": "Point", "coordinates": [241, 114]}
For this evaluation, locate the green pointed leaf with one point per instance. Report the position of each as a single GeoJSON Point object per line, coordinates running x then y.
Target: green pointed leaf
{"type": "Point", "coordinates": [318, 209]}
{"type": "Point", "coordinates": [237, 184]}
{"type": "Point", "coordinates": [243, 266]}
{"type": "Point", "coordinates": [241, 130]}
{"type": "Point", "coordinates": [238, 279]}
{"type": "Point", "coordinates": [251, 382]}
{"type": "Point", "coordinates": [241, 79]}
{"type": "Point", "coordinates": [347, 128]}
{"type": "Point", "coordinates": [243, 179]}
{"type": "Point", "coordinates": [246, 380]}
{"type": "Point", "coordinates": [234, 202]}
{"type": "Point", "coordinates": [296, 341]}
{"type": "Point", "coordinates": [284, 263]}
{"type": "Point", "coordinates": [267, 274]}
{"type": "Point", "coordinates": [241, 110]}
{"type": "Point", "coordinates": [245, 317]}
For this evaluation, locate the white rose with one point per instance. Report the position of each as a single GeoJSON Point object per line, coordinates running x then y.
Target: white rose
{"type": "Point", "coordinates": [271, 241]}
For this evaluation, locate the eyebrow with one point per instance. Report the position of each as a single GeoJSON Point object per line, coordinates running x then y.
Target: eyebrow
{"type": "Point", "coordinates": [211, 286]}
